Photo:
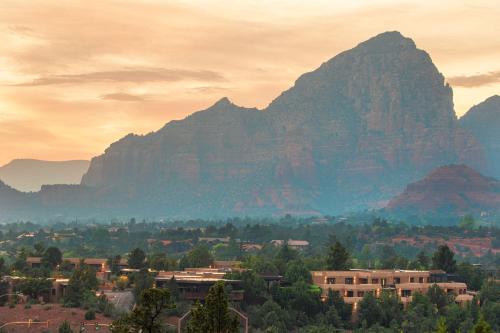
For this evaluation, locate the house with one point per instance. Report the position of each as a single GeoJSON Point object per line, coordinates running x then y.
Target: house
{"type": "Point", "coordinates": [251, 247]}
{"type": "Point", "coordinates": [100, 265]}
{"type": "Point", "coordinates": [353, 284]}
{"type": "Point", "coordinates": [194, 283]}
{"type": "Point", "coordinates": [294, 244]}
{"type": "Point", "coordinates": [214, 240]}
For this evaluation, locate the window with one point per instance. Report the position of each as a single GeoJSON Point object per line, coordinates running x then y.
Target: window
{"type": "Point", "coordinates": [363, 281]}
{"type": "Point", "coordinates": [412, 280]}
{"type": "Point", "coordinates": [405, 293]}
{"type": "Point", "coordinates": [420, 280]}
{"type": "Point", "coordinates": [397, 280]}
{"type": "Point", "coordinates": [349, 280]}
{"type": "Point", "coordinates": [374, 281]}
{"type": "Point", "coordinates": [361, 293]}
{"type": "Point", "coordinates": [350, 293]}
{"type": "Point", "coordinates": [53, 292]}
{"type": "Point", "coordinates": [330, 280]}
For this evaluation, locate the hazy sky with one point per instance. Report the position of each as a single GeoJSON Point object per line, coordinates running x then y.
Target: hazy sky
{"type": "Point", "coordinates": [78, 75]}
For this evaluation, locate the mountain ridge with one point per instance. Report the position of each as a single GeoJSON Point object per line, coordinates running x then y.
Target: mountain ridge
{"type": "Point", "coordinates": [346, 136]}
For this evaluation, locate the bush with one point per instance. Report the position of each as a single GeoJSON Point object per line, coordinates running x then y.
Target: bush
{"type": "Point", "coordinates": [65, 327]}
{"type": "Point", "coordinates": [90, 315]}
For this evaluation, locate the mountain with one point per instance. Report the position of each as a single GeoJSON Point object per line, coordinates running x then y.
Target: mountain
{"type": "Point", "coordinates": [483, 121]}
{"type": "Point", "coordinates": [449, 190]}
{"type": "Point", "coordinates": [347, 136]}
{"type": "Point", "coordinates": [29, 175]}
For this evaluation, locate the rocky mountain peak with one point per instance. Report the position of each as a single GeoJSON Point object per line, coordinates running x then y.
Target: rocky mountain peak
{"type": "Point", "coordinates": [483, 122]}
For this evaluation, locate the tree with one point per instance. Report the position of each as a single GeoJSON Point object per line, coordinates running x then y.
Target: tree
{"type": "Point", "coordinates": [482, 326]}
{"type": "Point", "coordinates": [423, 260]}
{"type": "Point", "coordinates": [441, 328]}
{"type": "Point", "coordinates": [136, 259]}
{"type": "Point", "coordinates": [343, 309]}
{"type": "Point", "coordinates": [34, 287]}
{"type": "Point", "coordinates": [214, 316]}
{"type": "Point", "coordinates": [52, 257]}
{"type": "Point", "coordinates": [199, 256]}
{"type": "Point", "coordinates": [83, 280]}
{"type": "Point", "coordinates": [146, 317]}
{"type": "Point", "coordinates": [143, 280]}
{"type": "Point", "coordinates": [438, 297]}
{"type": "Point", "coordinates": [65, 327]}
{"type": "Point", "coordinates": [443, 259]}
{"type": "Point", "coordinates": [369, 311]}
{"type": "Point", "coordinates": [297, 271]}
{"type": "Point", "coordinates": [338, 257]}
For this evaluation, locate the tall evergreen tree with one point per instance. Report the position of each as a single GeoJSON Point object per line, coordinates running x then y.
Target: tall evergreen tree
{"type": "Point", "coordinates": [443, 259]}
{"type": "Point", "coordinates": [214, 316]}
{"type": "Point", "coordinates": [338, 257]}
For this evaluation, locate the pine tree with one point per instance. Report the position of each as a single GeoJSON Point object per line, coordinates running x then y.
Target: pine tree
{"type": "Point", "coordinates": [482, 326]}
{"type": "Point", "coordinates": [214, 316]}
{"type": "Point", "coordinates": [338, 257]}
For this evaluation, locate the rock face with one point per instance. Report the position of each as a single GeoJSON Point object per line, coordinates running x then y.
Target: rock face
{"type": "Point", "coordinates": [29, 175]}
{"type": "Point", "coordinates": [347, 136]}
{"type": "Point", "coordinates": [483, 121]}
{"type": "Point", "coordinates": [449, 190]}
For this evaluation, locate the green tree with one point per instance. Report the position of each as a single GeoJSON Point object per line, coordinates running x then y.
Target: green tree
{"type": "Point", "coordinates": [82, 281]}
{"type": "Point", "coordinates": [338, 257]}
{"type": "Point", "coordinates": [214, 316]}
{"type": "Point", "coordinates": [136, 259]}
{"type": "Point", "coordinates": [343, 309]}
{"type": "Point", "coordinates": [34, 287]}
{"type": "Point", "coordinates": [423, 260]}
{"type": "Point", "coordinates": [65, 327]}
{"type": "Point", "coordinates": [369, 311]}
{"type": "Point", "coordinates": [143, 280]}
{"type": "Point", "coordinates": [297, 271]}
{"type": "Point", "coordinates": [438, 297]}
{"type": "Point", "coordinates": [482, 326]}
{"type": "Point", "coordinates": [147, 316]}
{"type": "Point", "coordinates": [52, 257]}
{"type": "Point", "coordinates": [443, 259]}
{"type": "Point", "coordinates": [441, 328]}
{"type": "Point", "coordinates": [199, 256]}
{"type": "Point", "coordinates": [467, 222]}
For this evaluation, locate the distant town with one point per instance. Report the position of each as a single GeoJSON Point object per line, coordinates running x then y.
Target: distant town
{"type": "Point", "coordinates": [322, 273]}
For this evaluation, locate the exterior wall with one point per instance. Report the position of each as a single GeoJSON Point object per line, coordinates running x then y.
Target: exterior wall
{"type": "Point", "coordinates": [353, 285]}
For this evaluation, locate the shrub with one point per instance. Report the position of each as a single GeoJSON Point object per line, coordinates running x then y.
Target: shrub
{"type": "Point", "coordinates": [90, 315]}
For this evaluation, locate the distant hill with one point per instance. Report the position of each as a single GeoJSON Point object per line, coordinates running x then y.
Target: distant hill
{"type": "Point", "coordinates": [483, 121]}
{"type": "Point", "coordinates": [29, 175]}
{"type": "Point", "coordinates": [449, 190]}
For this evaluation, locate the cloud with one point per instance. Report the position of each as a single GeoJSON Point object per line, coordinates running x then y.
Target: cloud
{"type": "Point", "coordinates": [124, 97]}
{"type": "Point", "coordinates": [127, 75]}
{"type": "Point", "coordinates": [475, 80]}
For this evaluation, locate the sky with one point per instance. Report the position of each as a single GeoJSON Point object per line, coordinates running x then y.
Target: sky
{"type": "Point", "coordinates": [76, 76]}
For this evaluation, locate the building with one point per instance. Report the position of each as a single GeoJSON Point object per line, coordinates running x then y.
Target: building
{"type": "Point", "coordinates": [100, 265]}
{"type": "Point", "coordinates": [194, 283]}
{"type": "Point", "coordinates": [294, 244]}
{"type": "Point", "coordinates": [354, 284]}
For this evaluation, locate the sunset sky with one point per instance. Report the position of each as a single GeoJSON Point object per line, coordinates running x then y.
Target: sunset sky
{"type": "Point", "coordinates": [77, 75]}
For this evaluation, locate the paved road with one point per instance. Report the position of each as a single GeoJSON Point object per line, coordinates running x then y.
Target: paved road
{"type": "Point", "coordinates": [121, 299]}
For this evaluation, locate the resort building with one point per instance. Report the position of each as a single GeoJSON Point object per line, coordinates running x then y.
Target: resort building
{"type": "Point", "coordinates": [352, 285]}
{"type": "Point", "coordinates": [194, 283]}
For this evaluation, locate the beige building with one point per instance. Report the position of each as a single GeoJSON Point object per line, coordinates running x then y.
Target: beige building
{"type": "Point", "coordinates": [354, 284]}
